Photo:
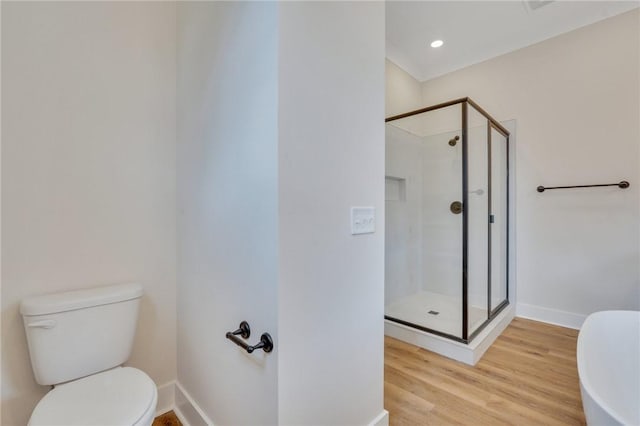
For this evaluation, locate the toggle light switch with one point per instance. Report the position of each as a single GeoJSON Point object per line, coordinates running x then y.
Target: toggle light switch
{"type": "Point", "coordinates": [363, 220]}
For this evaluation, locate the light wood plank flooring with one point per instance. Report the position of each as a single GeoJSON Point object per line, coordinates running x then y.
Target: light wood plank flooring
{"type": "Point", "coordinates": [528, 377]}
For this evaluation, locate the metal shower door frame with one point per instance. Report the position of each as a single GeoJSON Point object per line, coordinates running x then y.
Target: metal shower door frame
{"type": "Point", "coordinates": [495, 125]}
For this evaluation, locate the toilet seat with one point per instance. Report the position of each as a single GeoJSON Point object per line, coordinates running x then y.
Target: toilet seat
{"type": "Point", "coordinates": [124, 396]}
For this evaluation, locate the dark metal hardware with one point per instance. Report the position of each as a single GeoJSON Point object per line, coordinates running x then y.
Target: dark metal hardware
{"type": "Point", "coordinates": [496, 125]}
{"type": "Point", "coordinates": [244, 330]}
{"type": "Point", "coordinates": [623, 184]}
{"type": "Point", "coordinates": [266, 342]}
{"type": "Point", "coordinates": [464, 115]}
{"type": "Point", "coordinates": [454, 141]}
{"type": "Point", "coordinates": [456, 207]}
{"type": "Point", "coordinates": [477, 331]}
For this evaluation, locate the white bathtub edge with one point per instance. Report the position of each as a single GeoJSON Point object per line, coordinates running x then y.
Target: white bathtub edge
{"type": "Point", "coordinates": [596, 409]}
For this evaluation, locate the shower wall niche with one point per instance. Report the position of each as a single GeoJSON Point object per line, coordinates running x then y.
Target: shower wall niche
{"type": "Point", "coordinates": [447, 219]}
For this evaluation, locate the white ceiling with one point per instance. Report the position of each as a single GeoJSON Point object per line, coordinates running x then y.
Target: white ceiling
{"type": "Point", "coordinates": [474, 31]}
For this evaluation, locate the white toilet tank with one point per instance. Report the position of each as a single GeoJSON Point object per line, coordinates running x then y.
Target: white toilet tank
{"type": "Point", "coordinates": [78, 333]}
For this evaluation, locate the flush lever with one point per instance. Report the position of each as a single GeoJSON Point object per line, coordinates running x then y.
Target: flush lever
{"type": "Point", "coordinates": [42, 324]}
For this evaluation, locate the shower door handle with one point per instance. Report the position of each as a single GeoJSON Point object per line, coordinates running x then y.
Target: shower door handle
{"type": "Point", "coordinates": [456, 207]}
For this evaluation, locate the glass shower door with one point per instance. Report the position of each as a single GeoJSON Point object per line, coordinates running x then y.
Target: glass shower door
{"type": "Point", "coordinates": [424, 211]}
{"type": "Point", "coordinates": [499, 219]}
{"type": "Point", "coordinates": [446, 245]}
{"type": "Point", "coordinates": [442, 240]}
{"type": "Point", "coordinates": [477, 216]}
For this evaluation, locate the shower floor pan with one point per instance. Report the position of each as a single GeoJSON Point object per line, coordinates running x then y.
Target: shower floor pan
{"type": "Point", "coordinates": [415, 309]}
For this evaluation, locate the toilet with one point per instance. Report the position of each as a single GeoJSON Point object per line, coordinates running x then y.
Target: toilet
{"type": "Point", "coordinates": [78, 341]}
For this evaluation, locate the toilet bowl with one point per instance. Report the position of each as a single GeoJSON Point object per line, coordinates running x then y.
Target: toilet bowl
{"type": "Point", "coordinates": [121, 396]}
{"type": "Point", "coordinates": [78, 342]}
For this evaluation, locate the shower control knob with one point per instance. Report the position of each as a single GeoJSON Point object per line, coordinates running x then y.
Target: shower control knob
{"type": "Point", "coordinates": [456, 207]}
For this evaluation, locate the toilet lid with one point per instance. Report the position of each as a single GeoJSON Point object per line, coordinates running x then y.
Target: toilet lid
{"type": "Point", "coordinates": [115, 397]}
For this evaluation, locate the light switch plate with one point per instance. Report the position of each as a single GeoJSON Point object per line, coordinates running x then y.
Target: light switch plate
{"type": "Point", "coordinates": [363, 220]}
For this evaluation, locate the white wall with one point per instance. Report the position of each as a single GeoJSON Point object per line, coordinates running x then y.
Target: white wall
{"type": "Point", "coordinates": [88, 170]}
{"type": "Point", "coordinates": [331, 157]}
{"type": "Point", "coordinates": [575, 99]}
{"type": "Point", "coordinates": [228, 206]}
{"type": "Point", "coordinates": [402, 91]}
{"type": "Point", "coordinates": [274, 145]}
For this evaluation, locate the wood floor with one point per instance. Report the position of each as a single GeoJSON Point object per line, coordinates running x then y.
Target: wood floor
{"type": "Point", "coordinates": [528, 377]}
{"type": "Point", "coordinates": [167, 419]}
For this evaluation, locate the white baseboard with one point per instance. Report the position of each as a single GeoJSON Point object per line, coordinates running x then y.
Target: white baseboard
{"type": "Point", "coordinates": [187, 410]}
{"type": "Point", "coordinates": [180, 416]}
{"type": "Point", "coordinates": [166, 397]}
{"type": "Point", "coordinates": [551, 316]}
{"type": "Point", "coordinates": [173, 397]}
{"type": "Point", "coordinates": [381, 420]}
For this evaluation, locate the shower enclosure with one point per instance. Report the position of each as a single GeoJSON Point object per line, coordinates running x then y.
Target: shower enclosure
{"type": "Point", "coordinates": [447, 219]}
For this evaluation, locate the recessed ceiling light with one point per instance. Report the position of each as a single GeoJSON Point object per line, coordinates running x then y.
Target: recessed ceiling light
{"type": "Point", "coordinates": [437, 43]}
